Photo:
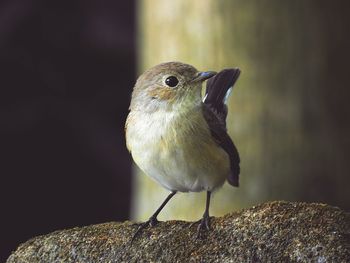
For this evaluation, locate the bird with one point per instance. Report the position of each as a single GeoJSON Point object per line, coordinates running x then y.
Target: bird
{"type": "Point", "coordinates": [178, 137]}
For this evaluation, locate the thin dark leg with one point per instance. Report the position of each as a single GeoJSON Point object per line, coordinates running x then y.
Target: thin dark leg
{"type": "Point", "coordinates": [204, 223]}
{"type": "Point", "coordinates": [154, 216]}
{"type": "Point", "coordinates": [152, 221]}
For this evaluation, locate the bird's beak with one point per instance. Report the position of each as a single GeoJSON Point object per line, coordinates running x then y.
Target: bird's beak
{"type": "Point", "coordinates": [201, 76]}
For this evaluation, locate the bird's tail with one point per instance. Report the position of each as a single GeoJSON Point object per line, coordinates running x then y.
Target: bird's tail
{"type": "Point", "coordinates": [218, 90]}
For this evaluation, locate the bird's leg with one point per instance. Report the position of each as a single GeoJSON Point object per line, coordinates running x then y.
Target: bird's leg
{"type": "Point", "coordinates": [204, 223]}
{"type": "Point", "coordinates": [152, 221]}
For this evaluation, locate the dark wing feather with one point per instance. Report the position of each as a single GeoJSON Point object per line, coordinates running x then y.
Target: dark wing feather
{"type": "Point", "coordinates": [215, 112]}
{"type": "Point", "coordinates": [217, 88]}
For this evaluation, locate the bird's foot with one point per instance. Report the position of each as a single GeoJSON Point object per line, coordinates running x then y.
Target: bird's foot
{"type": "Point", "coordinates": [149, 223]}
{"type": "Point", "coordinates": [204, 225]}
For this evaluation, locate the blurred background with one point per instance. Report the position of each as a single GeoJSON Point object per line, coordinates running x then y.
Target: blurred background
{"type": "Point", "coordinates": [67, 72]}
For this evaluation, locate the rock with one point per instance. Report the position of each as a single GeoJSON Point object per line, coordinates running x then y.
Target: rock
{"type": "Point", "coordinates": [270, 232]}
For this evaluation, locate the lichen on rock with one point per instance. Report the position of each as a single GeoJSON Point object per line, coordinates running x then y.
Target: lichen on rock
{"type": "Point", "coordinates": [270, 232]}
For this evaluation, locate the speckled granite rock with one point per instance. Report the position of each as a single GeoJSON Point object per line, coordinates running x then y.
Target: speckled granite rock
{"type": "Point", "coordinates": [271, 232]}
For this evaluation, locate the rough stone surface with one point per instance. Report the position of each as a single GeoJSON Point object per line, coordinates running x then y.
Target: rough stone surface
{"type": "Point", "coordinates": [271, 232]}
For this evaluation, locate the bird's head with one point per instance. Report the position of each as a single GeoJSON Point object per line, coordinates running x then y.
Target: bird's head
{"type": "Point", "coordinates": [168, 85]}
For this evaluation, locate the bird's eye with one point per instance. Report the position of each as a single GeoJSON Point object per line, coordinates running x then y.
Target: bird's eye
{"type": "Point", "coordinates": [171, 81]}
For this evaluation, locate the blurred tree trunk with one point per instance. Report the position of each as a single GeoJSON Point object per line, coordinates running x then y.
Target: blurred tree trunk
{"type": "Point", "coordinates": [288, 114]}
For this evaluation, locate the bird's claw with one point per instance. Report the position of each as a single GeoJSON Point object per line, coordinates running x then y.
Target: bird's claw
{"type": "Point", "coordinates": [149, 223]}
{"type": "Point", "coordinates": [204, 225]}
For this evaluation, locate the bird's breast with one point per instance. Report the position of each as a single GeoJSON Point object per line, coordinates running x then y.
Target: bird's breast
{"type": "Point", "coordinates": [176, 150]}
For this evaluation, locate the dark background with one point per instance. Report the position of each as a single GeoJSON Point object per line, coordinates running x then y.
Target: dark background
{"type": "Point", "coordinates": [67, 70]}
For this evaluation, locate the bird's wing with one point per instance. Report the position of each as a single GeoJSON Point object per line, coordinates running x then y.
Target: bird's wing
{"type": "Point", "coordinates": [215, 112]}
{"type": "Point", "coordinates": [220, 136]}
{"type": "Point", "coordinates": [218, 90]}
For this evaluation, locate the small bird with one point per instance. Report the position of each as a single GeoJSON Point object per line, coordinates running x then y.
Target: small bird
{"type": "Point", "coordinates": [179, 138]}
